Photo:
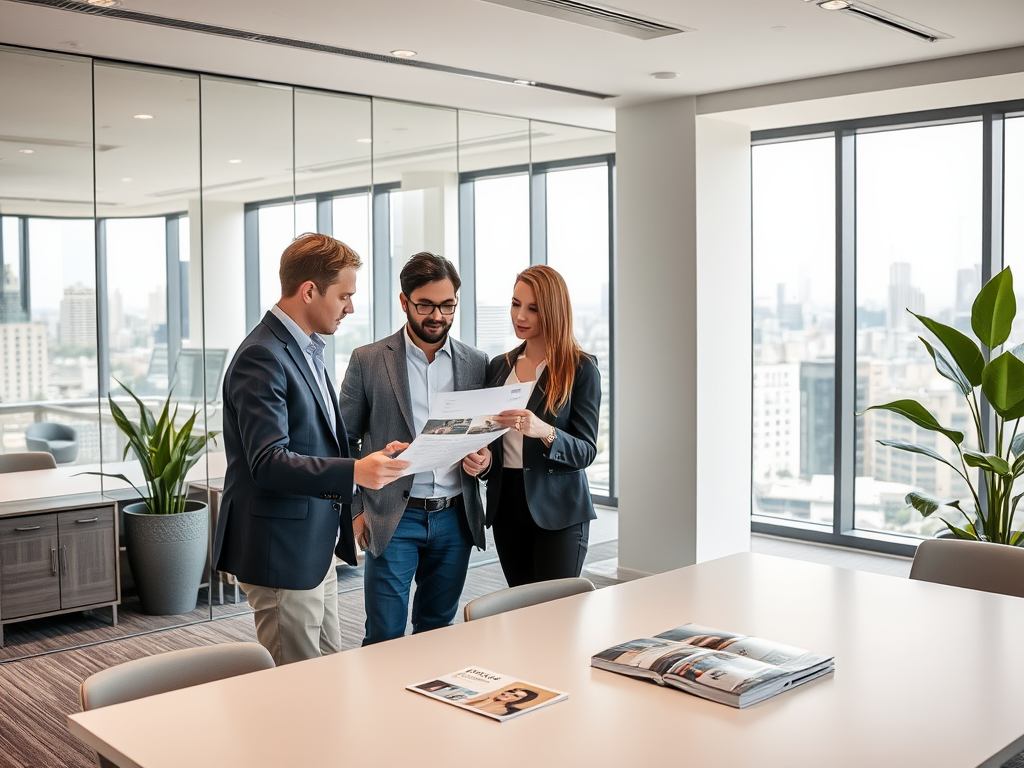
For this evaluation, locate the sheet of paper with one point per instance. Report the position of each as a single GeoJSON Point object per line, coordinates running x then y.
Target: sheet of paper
{"type": "Point", "coordinates": [460, 423]}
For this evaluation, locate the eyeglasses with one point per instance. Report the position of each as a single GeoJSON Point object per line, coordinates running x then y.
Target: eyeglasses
{"type": "Point", "coordinates": [428, 309]}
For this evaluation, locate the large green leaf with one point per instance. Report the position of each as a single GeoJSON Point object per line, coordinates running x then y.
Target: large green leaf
{"type": "Point", "coordinates": [961, 533]}
{"type": "Point", "coordinates": [948, 369]}
{"type": "Point", "coordinates": [920, 415]}
{"type": "Point", "coordinates": [1003, 385]}
{"type": "Point", "coordinates": [987, 461]}
{"type": "Point", "coordinates": [994, 309]}
{"type": "Point", "coordinates": [964, 351]}
{"type": "Point", "coordinates": [926, 504]}
{"type": "Point", "coordinates": [1017, 446]}
{"type": "Point", "coordinates": [922, 449]}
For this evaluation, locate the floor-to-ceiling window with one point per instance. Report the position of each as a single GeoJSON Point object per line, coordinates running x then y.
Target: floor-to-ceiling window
{"type": "Point", "coordinates": [857, 228]}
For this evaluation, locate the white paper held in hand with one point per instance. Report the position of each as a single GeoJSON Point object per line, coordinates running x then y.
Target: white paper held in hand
{"type": "Point", "coordinates": [461, 423]}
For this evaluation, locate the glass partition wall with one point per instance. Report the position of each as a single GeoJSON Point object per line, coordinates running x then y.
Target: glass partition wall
{"type": "Point", "coordinates": [142, 216]}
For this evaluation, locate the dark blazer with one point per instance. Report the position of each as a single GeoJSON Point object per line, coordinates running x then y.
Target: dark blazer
{"type": "Point", "coordinates": [377, 405]}
{"type": "Point", "coordinates": [557, 490]}
{"type": "Point", "coordinates": [289, 480]}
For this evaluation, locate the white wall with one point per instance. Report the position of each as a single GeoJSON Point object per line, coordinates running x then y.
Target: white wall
{"type": "Point", "coordinates": [724, 341]}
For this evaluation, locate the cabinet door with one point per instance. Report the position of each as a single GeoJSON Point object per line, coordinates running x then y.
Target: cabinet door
{"type": "Point", "coordinates": [28, 566]}
{"type": "Point", "coordinates": [87, 556]}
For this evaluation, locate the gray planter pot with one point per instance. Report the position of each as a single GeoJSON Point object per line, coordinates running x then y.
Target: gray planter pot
{"type": "Point", "coordinates": [167, 555]}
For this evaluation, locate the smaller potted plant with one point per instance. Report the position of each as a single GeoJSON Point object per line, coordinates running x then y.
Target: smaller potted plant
{"type": "Point", "coordinates": [999, 455]}
{"type": "Point", "coordinates": [166, 535]}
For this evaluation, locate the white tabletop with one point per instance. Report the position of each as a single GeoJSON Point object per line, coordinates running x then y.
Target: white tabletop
{"type": "Point", "coordinates": [71, 479]}
{"type": "Point", "coordinates": [907, 690]}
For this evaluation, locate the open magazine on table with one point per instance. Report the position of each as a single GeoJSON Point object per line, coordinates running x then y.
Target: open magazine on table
{"type": "Point", "coordinates": [728, 668]}
{"type": "Point", "coordinates": [488, 693]}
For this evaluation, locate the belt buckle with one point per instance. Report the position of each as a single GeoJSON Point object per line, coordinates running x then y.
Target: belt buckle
{"type": "Point", "coordinates": [436, 505]}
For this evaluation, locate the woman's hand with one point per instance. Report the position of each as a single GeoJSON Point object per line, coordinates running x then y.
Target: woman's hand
{"type": "Point", "coordinates": [525, 422]}
{"type": "Point", "coordinates": [476, 463]}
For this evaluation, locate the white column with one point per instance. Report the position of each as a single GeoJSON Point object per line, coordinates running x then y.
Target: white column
{"type": "Point", "coordinates": [218, 267]}
{"type": "Point", "coordinates": [683, 341]}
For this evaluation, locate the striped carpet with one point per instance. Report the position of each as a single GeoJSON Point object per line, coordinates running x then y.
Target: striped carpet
{"type": "Point", "coordinates": [37, 693]}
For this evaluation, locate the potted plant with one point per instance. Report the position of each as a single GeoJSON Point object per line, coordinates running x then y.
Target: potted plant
{"type": "Point", "coordinates": [995, 379]}
{"type": "Point", "coordinates": [166, 535]}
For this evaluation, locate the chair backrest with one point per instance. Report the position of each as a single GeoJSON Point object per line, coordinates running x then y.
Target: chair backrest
{"type": "Point", "coordinates": [170, 671]}
{"type": "Point", "coordinates": [526, 594]}
{"type": "Point", "coordinates": [977, 565]}
{"type": "Point", "coordinates": [26, 460]}
{"type": "Point", "coordinates": [51, 430]}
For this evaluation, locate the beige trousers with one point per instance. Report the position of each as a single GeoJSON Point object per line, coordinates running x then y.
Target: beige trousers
{"type": "Point", "coordinates": [297, 624]}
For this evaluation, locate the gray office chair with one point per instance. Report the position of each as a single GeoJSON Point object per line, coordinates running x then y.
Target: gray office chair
{"type": "Point", "coordinates": [58, 439]}
{"type": "Point", "coordinates": [22, 462]}
{"type": "Point", "coordinates": [170, 671]}
{"type": "Point", "coordinates": [977, 565]}
{"type": "Point", "coordinates": [526, 594]}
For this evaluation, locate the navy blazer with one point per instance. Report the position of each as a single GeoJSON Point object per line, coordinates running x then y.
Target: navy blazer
{"type": "Point", "coordinates": [289, 480]}
{"type": "Point", "coordinates": [557, 490]}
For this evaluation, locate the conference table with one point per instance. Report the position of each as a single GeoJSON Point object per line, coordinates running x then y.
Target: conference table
{"type": "Point", "coordinates": [926, 676]}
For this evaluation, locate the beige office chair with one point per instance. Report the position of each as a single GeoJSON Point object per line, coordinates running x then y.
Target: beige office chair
{"type": "Point", "coordinates": [977, 565]}
{"type": "Point", "coordinates": [526, 594]}
{"type": "Point", "coordinates": [170, 671]}
{"type": "Point", "coordinates": [26, 460]}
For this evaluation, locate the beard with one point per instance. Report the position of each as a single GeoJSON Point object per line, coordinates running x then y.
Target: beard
{"type": "Point", "coordinates": [429, 329]}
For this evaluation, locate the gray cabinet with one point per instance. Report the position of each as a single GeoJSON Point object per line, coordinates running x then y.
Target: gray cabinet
{"type": "Point", "coordinates": [59, 561]}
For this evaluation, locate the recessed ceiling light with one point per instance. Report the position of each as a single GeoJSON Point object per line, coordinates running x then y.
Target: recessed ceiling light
{"type": "Point", "coordinates": [364, 141]}
{"type": "Point", "coordinates": [127, 178]}
{"type": "Point", "coordinates": [143, 117]}
{"type": "Point", "coordinates": [834, 5]}
{"type": "Point", "coordinates": [524, 82]}
{"type": "Point", "coordinates": [27, 151]}
{"type": "Point", "coordinates": [234, 161]}
{"type": "Point", "coordinates": [664, 75]}
{"type": "Point", "coordinates": [104, 3]}
{"type": "Point", "coordinates": [403, 54]}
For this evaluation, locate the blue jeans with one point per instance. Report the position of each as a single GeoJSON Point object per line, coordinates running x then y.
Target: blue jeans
{"type": "Point", "coordinates": [434, 548]}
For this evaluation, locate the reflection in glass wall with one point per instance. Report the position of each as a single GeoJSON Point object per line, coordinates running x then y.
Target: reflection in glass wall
{"type": "Point", "coordinates": [572, 175]}
{"type": "Point", "coordinates": [333, 178]}
{"type": "Point", "coordinates": [48, 330]}
{"type": "Point", "coordinates": [918, 249]}
{"type": "Point", "coordinates": [415, 156]}
{"type": "Point", "coordinates": [494, 160]}
{"type": "Point", "coordinates": [141, 224]}
{"type": "Point", "coordinates": [793, 227]}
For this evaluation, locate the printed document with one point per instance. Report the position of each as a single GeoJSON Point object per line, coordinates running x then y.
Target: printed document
{"type": "Point", "coordinates": [461, 423]}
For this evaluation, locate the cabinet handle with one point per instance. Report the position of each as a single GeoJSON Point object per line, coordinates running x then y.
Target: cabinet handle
{"type": "Point", "coordinates": [64, 558]}
{"type": "Point", "coordinates": [88, 520]}
{"type": "Point", "coordinates": [28, 528]}
{"type": "Point", "coordinates": [53, 561]}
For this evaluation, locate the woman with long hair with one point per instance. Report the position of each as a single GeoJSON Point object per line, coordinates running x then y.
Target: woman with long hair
{"type": "Point", "coordinates": [538, 498]}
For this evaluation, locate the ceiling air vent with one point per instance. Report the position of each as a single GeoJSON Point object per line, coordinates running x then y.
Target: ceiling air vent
{"type": "Point", "coordinates": [608, 19]}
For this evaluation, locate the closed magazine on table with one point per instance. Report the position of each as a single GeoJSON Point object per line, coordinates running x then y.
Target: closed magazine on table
{"type": "Point", "coordinates": [728, 668]}
{"type": "Point", "coordinates": [488, 693]}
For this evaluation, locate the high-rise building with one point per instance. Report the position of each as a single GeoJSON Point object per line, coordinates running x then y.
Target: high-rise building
{"type": "Point", "coordinates": [78, 317]}
{"type": "Point", "coordinates": [903, 295]}
{"type": "Point", "coordinates": [24, 365]}
{"type": "Point", "coordinates": [776, 421]}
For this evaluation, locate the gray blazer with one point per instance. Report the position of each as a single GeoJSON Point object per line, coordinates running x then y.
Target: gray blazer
{"type": "Point", "coordinates": [377, 408]}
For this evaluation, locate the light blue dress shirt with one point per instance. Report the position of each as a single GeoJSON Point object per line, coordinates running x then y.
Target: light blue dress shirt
{"type": "Point", "coordinates": [304, 341]}
{"type": "Point", "coordinates": [425, 381]}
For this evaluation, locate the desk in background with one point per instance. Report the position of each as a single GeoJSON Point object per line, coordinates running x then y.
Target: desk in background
{"type": "Point", "coordinates": [907, 690]}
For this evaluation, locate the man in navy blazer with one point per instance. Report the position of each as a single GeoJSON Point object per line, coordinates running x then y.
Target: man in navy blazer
{"type": "Point", "coordinates": [289, 479]}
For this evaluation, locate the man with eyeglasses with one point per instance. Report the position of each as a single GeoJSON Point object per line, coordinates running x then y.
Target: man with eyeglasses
{"type": "Point", "coordinates": [423, 526]}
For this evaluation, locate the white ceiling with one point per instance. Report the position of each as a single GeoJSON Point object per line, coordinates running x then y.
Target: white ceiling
{"type": "Point", "coordinates": [733, 45]}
